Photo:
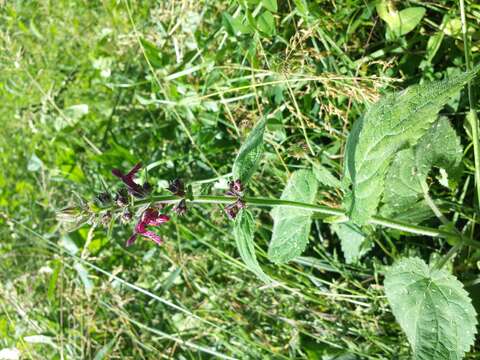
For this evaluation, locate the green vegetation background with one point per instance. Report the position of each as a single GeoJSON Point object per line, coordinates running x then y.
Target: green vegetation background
{"type": "Point", "coordinates": [86, 86]}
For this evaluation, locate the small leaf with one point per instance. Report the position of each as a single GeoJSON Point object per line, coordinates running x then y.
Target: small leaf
{"type": "Point", "coordinates": [34, 163]}
{"type": "Point", "coordinates": [432, 308]}
{"type": "Point", "coordinates": [325, 177]}
{"type": "Point", "coordinates": [302, 7]}
{"type": "Point", "coordinates": [83, 275]}
{"type": "Point", "coordinates": [266, 23]}
{"type": "Point", "coordinates": [391, 124]}
{"type": "Point", "coordinates": [250, 153]}
{"type": "Point", "coordinates": [291, 226]}
{"type": "Point", "coordinates": [353, 241]}
{"type": "Point", "coordinates": [440, 147]}
{"type": "Point", "coordinates": [400, 22]}
{"type": "Point", "coordinates": [270, 5]}
{"type": "Point", "coordinates": [235, 26]}
{"type": "Point", "coordinates": [243, 230]}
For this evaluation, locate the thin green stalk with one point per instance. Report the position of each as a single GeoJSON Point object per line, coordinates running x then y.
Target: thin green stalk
{"type": "Point", "coordinates": [472, 115]}
{"type": "Point", "coordinates": [325, 210]}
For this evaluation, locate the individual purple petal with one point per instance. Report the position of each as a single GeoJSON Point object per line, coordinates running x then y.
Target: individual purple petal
{"type": "Point", "coordinates": [133, 187]}
{"type": "Point", "coordinates": [140, 228]}
{"type": "Point", "coordinates": [153, 236]}
{"type": "Point", "coordinates": [131, 240]}
{"type": "Point", "coordinates": [159, 220]}
{"type": "Point", "coordinates": [134, 170]}
{"type": "Point", "coordinates": [153, 218]}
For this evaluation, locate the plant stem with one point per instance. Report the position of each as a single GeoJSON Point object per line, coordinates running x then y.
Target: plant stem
{"type": "Point", "coordinates": [472, 115]}
{"type": "Point", "coordinates": [325, 210]}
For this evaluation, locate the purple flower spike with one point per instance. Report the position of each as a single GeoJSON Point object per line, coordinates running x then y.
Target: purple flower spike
{"type": "Point", "coordinates": [133, 188]}
{"type": "Point", "coordinates": [151, 217]}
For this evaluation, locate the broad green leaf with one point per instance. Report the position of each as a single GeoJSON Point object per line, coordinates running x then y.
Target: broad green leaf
{"type": "Point", "coordinates": [440, 147]}
{"type": "Point", "coordinates": [266, 23]}
{"type": "Point", "coordinates": [291, 226]}
{"type": "Point", "coordinates": [432, 308]}
{"type": "Point", "coordinates": [243, 230]}
{"type": "Point", "coordinates": [325, 177]}
{"type": "Point", "coordinates": [250, 153]}
{"type": "Point", "coordinates": [270, 5]}
{"type": "Point", "coordinates": [394, 122]}
{"type": "Point", "coordinates": [400, 22]}
{"type": "Point", "coordinates": [353, 241]}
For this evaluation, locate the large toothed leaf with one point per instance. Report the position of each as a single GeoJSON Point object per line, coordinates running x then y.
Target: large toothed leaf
{"type": "Point", "coordinates": [243, 230]}
{"type": "Point", "coordinates": [439, 147]}
{"type": "Point", "coordinates": [396, 121]}
{"type": "Point", "coordinates": [432, 308]}
{"type": "Point", "coordinates": [250, 153]}
{"type": "Point", "coordinates": [291, 226]}
{"type": "Point", "coordinates": [354, 242]}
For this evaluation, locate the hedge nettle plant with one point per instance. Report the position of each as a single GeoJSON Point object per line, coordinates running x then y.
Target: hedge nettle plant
{"type": "Point", "coordinates": [388, 157]}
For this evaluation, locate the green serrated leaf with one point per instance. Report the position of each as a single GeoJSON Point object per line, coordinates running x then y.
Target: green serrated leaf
{"type": "Point", "coordinates": [325, 177]}
{"type": "Point", "coordinates": [353, 241]}
{"type": "Point", "coordinates": [270, 5]}
{"type": "Point", "coordinates": [243, 230]}
{"type": "Point", "coordinates": [266, 23]}
{"type": "Point", "coordinates": [391, 124]}
{"type": "Point", "coordinates": [432, 308]}
{"type": "Point", "coordinates": [291, 226]}
{"type": "Point", "coordinates": [440, 147]}
{"type": "Point", "coordinates": [250, 153]}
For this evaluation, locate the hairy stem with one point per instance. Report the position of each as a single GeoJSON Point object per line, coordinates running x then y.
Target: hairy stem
{"type": "Point", "coordinates": [325, 210]}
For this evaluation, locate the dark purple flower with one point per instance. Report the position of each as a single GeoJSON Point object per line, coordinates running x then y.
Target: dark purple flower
{"type": "Point", "coordinates": [103, 198]}
{"type": "Point", "coordinates": [181, 207]}
{"type": "Point", "coordinates": [121, 197]}
{"type": "Point", "coordinates": [133, 188]}
{"type": "Point", "coordinates": [151, 217]}
{"type": "Point", "coordinates": [235, 188]}
{"type": "Point", "coordinates": [127, 216]}
{"type": "Point", "coordinates": [177, 187]}
{"type": "Point", "coordinates": [233, 209]}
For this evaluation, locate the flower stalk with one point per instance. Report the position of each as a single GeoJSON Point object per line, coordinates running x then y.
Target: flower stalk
{"type": "Point", "coordinates": [320, 209]}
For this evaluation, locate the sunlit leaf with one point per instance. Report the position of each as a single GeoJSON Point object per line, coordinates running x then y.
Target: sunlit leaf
{"type": "Point", "coordinates": [291, 226]}
{"type": "Point", "coordinates": [394, 122]}
{"type": "Point", "coordinates": [250, 153]}
{"type": "Point", "coordinates": [243, 230]}
{"type": "Point", "coordinates": [432, 308]}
